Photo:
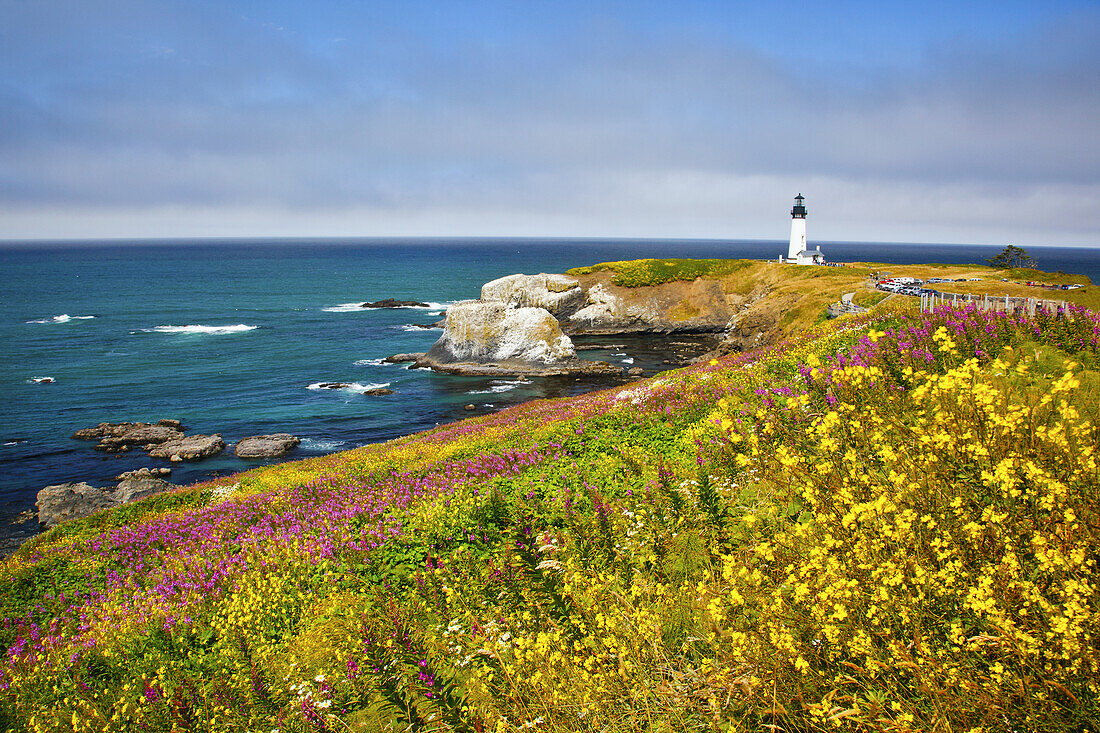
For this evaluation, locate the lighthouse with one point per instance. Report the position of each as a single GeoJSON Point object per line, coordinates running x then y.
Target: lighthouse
{"type": "Point", "coordinates": [798, 228]}
{"type": "Point", "coordinates": [797, 252]}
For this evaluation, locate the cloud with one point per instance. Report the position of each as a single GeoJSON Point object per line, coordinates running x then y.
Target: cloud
{"type": "Point", "coordinates": [139, 115]}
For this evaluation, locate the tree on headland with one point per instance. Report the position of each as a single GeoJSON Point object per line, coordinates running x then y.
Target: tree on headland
{"type": "Point", "coordinates": [1011, 257]}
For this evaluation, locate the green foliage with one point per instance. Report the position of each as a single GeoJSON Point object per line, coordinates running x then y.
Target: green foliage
{"type": "Point", "coordinates": [1012, 257]}
{"type": "Point", "coordinates": [641, 273]}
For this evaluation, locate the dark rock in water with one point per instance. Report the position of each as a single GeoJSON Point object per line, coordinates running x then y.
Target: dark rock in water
{"type": "Point", "coordinates": [333, 385]}
{"type": "Point", "coordinates": [144, 473]}
{"type": "Point", "coordinates": [190, 448]}
{"type": "Point", "coordinates": [378, 391]}
{"type": "Point", "coordinates": [142, 435]}
{"type": "Point", "coordinates": [119, 429]}
{"type": "Point", "coordinates": [104, 429]}
{"type": "Point", "coordinates": [266, 446]}
{"type": "Point", "coordinates": [120, 437]}
{"type": "Point", "coordinates": [71, 501]}
{"type": "Point", "coordinates": [401, 358]}
{"type": "Point", "coordinates": [391, 303]}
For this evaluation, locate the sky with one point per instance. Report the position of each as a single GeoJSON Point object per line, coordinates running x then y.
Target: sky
{"type": "Point", "coordinates": [900, 122]}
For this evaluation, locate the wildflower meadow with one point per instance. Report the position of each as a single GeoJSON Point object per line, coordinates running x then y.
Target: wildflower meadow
{"type": "Point", "coordinates": [888, 523]}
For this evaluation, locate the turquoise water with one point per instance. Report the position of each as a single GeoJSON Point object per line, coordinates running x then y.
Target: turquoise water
{"type": "Point", "coordinates": [271, 324]}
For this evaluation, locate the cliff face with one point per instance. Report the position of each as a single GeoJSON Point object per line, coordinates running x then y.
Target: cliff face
{"type": "Point", "coordinates": [700, 306]}
{"type": "Point", "coordinates": [526, 320]}
{"type": "Point", "coordinates": [592, 304]}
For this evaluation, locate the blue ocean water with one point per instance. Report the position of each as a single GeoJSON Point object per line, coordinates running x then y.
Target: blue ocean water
{"type": "Point", "coordinates": [228, 336]}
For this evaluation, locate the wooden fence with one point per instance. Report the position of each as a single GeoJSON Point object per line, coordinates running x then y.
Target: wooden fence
{"type": "Point", "coordinates": [928, 301]}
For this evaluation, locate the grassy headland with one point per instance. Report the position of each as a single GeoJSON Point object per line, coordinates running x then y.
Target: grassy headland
{"type": "Point", "coordinates": [890, 523]}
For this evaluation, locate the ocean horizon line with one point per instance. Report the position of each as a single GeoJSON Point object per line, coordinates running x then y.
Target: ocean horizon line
{"type": "Point", "coordinates": [74, 242]}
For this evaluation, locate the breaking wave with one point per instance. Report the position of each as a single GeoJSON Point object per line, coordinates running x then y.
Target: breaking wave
{"type": "Point", "coordinates": [322, 445]}
{"type": "Point", "coordinates": [344, 308]}
{"type": "Point", "coordinates": [347, 386]}
{"type": "Point", "coordinates": [213, 330]}
{"type": "Point", "coordinates": [63, 318]}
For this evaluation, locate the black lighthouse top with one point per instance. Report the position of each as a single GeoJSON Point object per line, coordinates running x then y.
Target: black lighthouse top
{"type": "Point", "coordinates": [799, 210]}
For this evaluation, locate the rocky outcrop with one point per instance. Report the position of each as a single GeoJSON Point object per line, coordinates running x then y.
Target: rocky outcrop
{"type": "Point", "coordinates": [62, 502]}
{"type": "Point", "coordinates": [138, 436]}
{"type": "Point", "coordinates": [121, 437]}
{"type": "Point", "coordinates": [266, 446]}
{"type": "Point", "coordinates": [593, 304]}
{"type": "Point", "coordinates": [190, 448]}
{"type": "Point", "coordinates": [401, 358]}
{"type": "Point", "coordinates": [391, 303]}
{"type": "Point", "coordinates": [143, 482]}
{"type": "Point", "coordinates": [559, 295]}
{"type": "Point", "coordinates": [480, 331]}
{"type": "Point", "coordinates": [495, 339]}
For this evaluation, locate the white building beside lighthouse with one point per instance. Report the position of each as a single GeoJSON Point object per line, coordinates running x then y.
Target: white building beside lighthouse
{"type": "Point", "coordinates": [798, 253]}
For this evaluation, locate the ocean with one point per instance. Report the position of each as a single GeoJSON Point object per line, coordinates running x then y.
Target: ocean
{"type": "Point", "coordinates": [235, 336]}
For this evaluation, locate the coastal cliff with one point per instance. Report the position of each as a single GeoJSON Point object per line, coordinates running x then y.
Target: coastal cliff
{"type": "Point", "coordinates": [522, 323]}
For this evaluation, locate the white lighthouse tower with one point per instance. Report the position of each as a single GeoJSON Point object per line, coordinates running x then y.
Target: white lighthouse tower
{"type": "Point", "coordinates": [798, 228]}
{"type": "Point", "coordinates": [798, 253]}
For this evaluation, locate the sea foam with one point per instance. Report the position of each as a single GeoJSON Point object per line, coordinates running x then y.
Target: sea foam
{"type": "Point", "coordinates": [63, 318]}
{"type": "Point", "coordinates": [500, 385]}
{"type": "Point", "coordinates": [199, 329]}
{"type": "Point", "coordinates": [350, 386]}
{"type": "Point", "coordinates": [313, 444]}
{"type": "Point", "coordinates": [344, 308]}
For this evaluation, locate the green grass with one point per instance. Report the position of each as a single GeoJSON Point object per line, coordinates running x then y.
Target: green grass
{"type": "Point", "coordinates": [640, 273]}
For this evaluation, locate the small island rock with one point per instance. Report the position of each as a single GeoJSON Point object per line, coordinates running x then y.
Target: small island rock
{"type": "Point", "coordinates": [120, 437]}
{"type": "Point", "coordinates": [377, 391]}
{"type": "Point", "coordinates": [401, 358]}
{"type": "Point", "coordinates": [391, 303]}
{"type": "Point", "coordinates": [266, 446]}
{"type": "Point", "coordinates": [190, 448]}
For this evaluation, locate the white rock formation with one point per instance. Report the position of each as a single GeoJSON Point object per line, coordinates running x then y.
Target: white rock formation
{"type": "Point", "coordinates": [558, 294]}
{"type": "Point", "coordinates": [479, 331]}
